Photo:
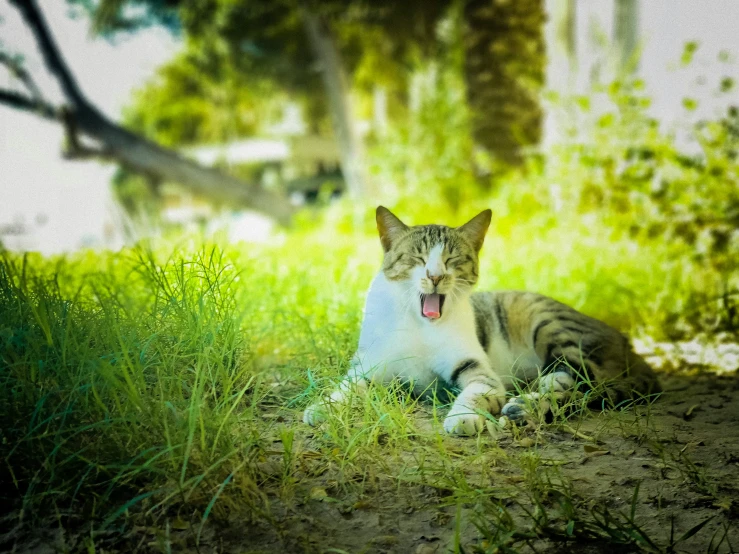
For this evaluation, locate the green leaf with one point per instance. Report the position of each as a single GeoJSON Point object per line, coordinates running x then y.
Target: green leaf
{"type": "Point", "coordinates": [132, 502]}
{"type": "Point", "coordinates": [690, 104]}
{"type": "Point", "coordinates": [693, 530]}
{"type": "Point", "coordinates": [570, 528]}
{"type": "Point", "coordinates": [583, 102]}
{"type": "Point", "coordinates": [688, 52]}
{"type": "Point", "coordinates": [606, 120]}
{"type": "Point", "coordinates": [634, 499]}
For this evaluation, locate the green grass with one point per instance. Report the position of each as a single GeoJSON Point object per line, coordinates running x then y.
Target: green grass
{"type": "Point", "coordinates": [165, 383]}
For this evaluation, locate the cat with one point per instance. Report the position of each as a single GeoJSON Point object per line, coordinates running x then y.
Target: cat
{"type": "Point", "coordinates": [422, 322]}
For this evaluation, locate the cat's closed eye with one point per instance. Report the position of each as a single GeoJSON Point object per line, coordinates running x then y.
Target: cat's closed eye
{"type": "Point", "coordinates": [418, 260]}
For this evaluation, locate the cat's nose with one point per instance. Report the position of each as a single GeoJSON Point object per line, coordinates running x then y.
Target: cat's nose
{"type": "Point", "coordinates": [435, 279]}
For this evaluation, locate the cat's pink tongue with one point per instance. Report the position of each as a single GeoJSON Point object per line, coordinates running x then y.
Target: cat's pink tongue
{"type": "Point", "coordinates": [431, 306]}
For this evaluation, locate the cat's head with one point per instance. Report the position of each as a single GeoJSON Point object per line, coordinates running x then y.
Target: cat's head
{"type": "Point", "coordinates": [435, 266]}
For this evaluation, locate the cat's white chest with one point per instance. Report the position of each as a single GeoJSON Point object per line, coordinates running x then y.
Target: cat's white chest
{"type": "Point", "coordinates": [396, 342]}
{"type": "Point", "coordinates": [389, 342]}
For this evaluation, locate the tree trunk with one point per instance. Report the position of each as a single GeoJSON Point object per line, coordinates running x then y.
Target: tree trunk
{"type": "Point", "coordinates": [337, 91]}
{"type": "Point", "coordinates": [565, 22]}
{"type": "Point", "coordinates": [379, 110]}
{"type": "Point", "coordinates": [504, 72]}
{"type": "Point", "coordinates": [626, 33]}
{"type": "Point", "coordinates": [116, 143]}
{"type": "Point", "coordinates": [142, 156]}
{"type": "Point", "coordinates": [561, 67]}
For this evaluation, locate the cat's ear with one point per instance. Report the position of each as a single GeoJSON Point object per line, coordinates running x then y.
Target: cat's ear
{"type": "Point", "coordinates": [389, 226]}
{"type": "Point", "coordinates": [474, 230]}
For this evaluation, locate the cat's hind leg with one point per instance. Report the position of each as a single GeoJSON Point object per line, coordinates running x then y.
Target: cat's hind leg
{"type": "Point", "coordinates": [554, 387]}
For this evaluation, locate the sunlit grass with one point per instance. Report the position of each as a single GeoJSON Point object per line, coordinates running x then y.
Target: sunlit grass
{"type": "Point", "coordinates": [169, 379]}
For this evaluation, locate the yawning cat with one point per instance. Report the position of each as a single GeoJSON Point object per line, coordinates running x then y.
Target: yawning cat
{"type": "Point", "coordinates": [422, 322]}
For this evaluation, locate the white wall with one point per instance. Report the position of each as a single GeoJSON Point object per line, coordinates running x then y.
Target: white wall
{"type": "Point", "coordinates": [35, 183]}
{"type": "Point", "coordinates": [664, 26]}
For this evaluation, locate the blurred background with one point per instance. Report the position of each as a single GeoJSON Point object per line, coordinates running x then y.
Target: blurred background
{"type": "Point", "coordinates": [333, 99]}
{"type": "Point", "coordinates": [599, 128]}
{"type": "Point", "coordinates": [187, 231]}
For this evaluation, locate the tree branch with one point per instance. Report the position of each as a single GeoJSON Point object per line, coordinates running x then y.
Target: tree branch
{"type": "Point", "coordinates": [25, 103]}
{"type": "Point", "coordinates": [49, 50]}
{"type": "Point", "coordinates": [125, 147]}
{"type": "Point", "coordinates": [19, 72]}
{"type": "Point", "coordinates": [73, 148]}
{"type": "Point", "coordinates": [78, 152]}
{"type": "Point", "coordinates": [326, 53]}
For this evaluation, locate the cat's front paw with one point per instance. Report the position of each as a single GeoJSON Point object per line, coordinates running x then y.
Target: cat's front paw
{"type": "Point", "coordinates": [315, 414]}
{"type": "Point", "coordinates": [495, 403]}
{"type": "Point", "coordinates": [464, 424]}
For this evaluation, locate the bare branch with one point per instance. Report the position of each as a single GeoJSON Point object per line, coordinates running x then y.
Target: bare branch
{"type": "Point", "coordinates": [49, 50]}
{"type": "Point", "coordinates": [84, 153]}
{"type": "Point", "coordinates": [73, 148]}
{"type": "Point", "coordinates": [28, 104]}
{"type": "Point", "coordinates": [19, 72]}
{"type": "Point", "coordinates": [123, 146]}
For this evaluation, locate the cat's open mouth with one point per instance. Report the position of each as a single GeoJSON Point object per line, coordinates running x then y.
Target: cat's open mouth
{"type": "Point", "coordinates": [431, 305]}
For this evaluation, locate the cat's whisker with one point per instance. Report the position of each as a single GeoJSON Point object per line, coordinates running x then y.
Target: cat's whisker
{"type": "Point", "coordinates": [453, 294]}
{"type": "Point", "coordinates": [411, 294]}
{"type": "Point", "coordinates": [404, 306]}
{"type": "Point", "coordinates": [407, 305]}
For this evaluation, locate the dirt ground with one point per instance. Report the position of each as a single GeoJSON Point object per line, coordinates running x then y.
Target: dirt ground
{"type": "Point", "coordinates": [697, 420]}
{"type": "Point", "coordinates": [688, 474]}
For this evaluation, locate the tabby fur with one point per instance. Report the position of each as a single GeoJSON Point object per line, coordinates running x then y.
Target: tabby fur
{"type": "Point", "coordinates": [423, 323]}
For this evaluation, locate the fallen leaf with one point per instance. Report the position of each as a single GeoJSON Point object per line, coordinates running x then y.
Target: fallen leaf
{"type": "Point", "coordinates": [311, 454]}
{"type": "Point", "coordinates": [555, 462]}
{"type": "Point", "coordinates": [385, 540]}
{"type": "Point", "coordinates": [594, 450]}
{"type": "Point", "coordinates": [179, 524]}
{"type": "Point", "coordinates": [577, 433]}
{"type": "Point", "coordinates": [689, 412]}
{"type": "Point", "coordinates": [318, 493]}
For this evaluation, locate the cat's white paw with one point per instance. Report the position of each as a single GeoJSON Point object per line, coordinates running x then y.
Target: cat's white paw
{"type": "Point", "coordinates": [315, 414]}
{"type": "Point", "coordinates": [464, 424]}
{"type": "Point", "coordinates": [495, 403]}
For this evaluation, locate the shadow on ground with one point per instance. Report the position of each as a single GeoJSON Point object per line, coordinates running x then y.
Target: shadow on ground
{"type": "Point", "coordinates": [680, 455]}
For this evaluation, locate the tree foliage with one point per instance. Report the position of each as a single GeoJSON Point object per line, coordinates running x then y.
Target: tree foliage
{"type": "Point", "coordinates": [381, 43]}
{"type": "Point", "coordinates": [195, 99]}
{"type": "Point", "coordinates": [504, 72]}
